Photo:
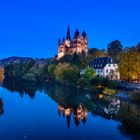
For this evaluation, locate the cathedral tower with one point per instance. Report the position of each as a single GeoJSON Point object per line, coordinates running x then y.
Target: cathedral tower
{"type": "Point", "coordinates": [68, 38]}
{"type": "Point", "coordinates": [79, 44]}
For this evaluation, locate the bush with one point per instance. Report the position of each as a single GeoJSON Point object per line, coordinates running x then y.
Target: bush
{"type": "Point", "coordinates": [108, 91]}
{"type": "Point", "coordinates": [100, 81]}
{"type": "Point", "coordinates": [89, 74]}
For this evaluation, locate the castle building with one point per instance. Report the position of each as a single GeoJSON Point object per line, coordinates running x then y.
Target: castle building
{"type": "Point", "coordinates": [79, 44]}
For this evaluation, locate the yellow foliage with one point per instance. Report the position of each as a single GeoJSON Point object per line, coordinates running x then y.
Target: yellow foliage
{"type": "Point", "coordinates": [129, 65]}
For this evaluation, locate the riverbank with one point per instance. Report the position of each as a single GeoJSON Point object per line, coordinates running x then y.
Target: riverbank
{"type": "Point", "coordinates": [130, 86]}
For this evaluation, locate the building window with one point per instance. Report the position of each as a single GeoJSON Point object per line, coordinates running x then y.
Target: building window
{"type": "Point", "coordinates": [106, 70]}
{"type": "Point", "coordinates": [114, 65]}
{"type": "Point", "coordinates": [109, 65]}
{"type": "Point", "coordinates": [111, 71]}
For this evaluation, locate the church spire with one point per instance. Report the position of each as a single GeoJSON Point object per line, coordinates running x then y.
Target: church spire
{"type": "Point", "coordinates": [68, 34]}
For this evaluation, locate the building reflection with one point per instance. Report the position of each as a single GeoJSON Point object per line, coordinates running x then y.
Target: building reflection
{"type": "Point", "coordinates": [79, 114]}
{"type": "Point", "coordinates": [1, 74]}
{"type": "Point", "coordinates": [1, 107]}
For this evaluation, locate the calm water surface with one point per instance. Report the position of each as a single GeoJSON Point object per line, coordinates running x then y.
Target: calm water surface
{"type": "Point", "coordinates": [56, 113]}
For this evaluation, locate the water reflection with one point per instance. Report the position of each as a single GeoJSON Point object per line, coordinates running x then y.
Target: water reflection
{"type": "Point", "coordinates": [23, 88]}
{"type": "Point", "coordinates": [73, 104]}
{"type": "Point", "coordinates": [79, 114]}
{"type": "Point", "coordinates": [1, 107]}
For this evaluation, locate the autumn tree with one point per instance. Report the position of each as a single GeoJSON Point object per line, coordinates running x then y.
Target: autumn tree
{"type": "Point", "coordinates": [129, 65]}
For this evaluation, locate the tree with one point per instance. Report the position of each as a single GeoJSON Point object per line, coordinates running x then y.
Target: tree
{"type": "Point", "coordinates": [93, 53]}
{"type": "Point", "coordinates": [51, 70]}
{"type": "Point", "coordinates": [67, 73]}
{"type": "Point", "coordinates": [114, 49]}
{"type": "Point", "coordinates": [129, 65]}
{"type": "Point", "coordinates": [89, 73]}
{"type": "Point", "coordinates": [29, 70]}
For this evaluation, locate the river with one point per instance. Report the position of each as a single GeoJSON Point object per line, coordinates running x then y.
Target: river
{"type": "Point", "coordinates": [52, 112]}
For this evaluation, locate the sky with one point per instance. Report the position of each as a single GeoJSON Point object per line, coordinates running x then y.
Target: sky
{"type": "Point", "coordinates": [31, 28]}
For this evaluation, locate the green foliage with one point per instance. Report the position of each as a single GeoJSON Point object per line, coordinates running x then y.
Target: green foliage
{"type": "Point", "coordinates": [66, 73]}
{"type": "Point", "coordinates": [26, 71]}
{"type": "Point", "coordinates": [82, 60]}
{"type": "Point", "coordinates": [89, 73]}
{"type": "Point", "coordinates": [83, 84]}
{"type": "Point", "coordinates": [104, 82]}
{"type": "Point", "coordinates": [76, 59]}
{"type": "Point", "coordinates": [108, 91]}
{"type": "Point", "coordinates": [51, 70]}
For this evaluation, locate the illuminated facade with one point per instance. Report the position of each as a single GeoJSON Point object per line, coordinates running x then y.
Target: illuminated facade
{"type": "Point", "coordinates": [79, 44]}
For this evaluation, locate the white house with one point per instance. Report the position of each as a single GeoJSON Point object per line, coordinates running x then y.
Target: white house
{"type": "Point", "coordinates": [106, 67]}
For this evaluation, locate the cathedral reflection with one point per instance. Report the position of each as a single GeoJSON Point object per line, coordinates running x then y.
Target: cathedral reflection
{"type": "Point", "coordinates": [79, 114]}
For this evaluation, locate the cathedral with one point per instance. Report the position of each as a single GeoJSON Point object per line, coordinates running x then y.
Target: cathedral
{"type": "Point", "coordinates": [79, 44]}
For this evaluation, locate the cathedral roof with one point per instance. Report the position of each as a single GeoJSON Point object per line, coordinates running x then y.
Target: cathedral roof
{"type": "Point", "coordinates": [84, 34]}
{"type": "Point", "coordinates": [77, 33]}
{"type": "Point", "coordinates": [68, 34]}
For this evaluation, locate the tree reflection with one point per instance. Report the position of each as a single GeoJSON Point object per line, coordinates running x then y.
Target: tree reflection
{"type": "Point", "coordinates": [75, 104]}
{"type": "Point", "coordinates": [22, 87]}
{"type": "Point", "coordinates": [129, 115]}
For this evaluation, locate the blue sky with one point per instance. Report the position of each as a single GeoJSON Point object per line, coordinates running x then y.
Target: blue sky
{"type": "Point", "coordinates": [32, 27]}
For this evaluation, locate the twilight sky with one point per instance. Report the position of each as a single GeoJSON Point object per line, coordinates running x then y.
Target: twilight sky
{"type": "Point", "coordinates": [32, 27]}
